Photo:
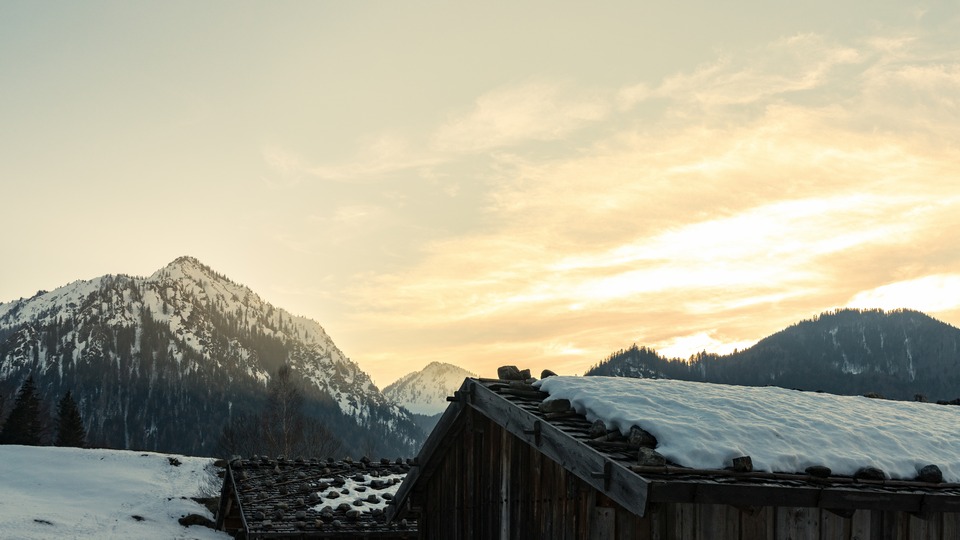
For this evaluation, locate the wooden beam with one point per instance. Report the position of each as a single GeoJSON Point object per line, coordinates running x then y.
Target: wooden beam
{"type": "Point", "coordinates": [624, 486]}
{"type": "Point", "coordinates": [440, 438]}
{"type": "Point", "coordinates": [874, 500]}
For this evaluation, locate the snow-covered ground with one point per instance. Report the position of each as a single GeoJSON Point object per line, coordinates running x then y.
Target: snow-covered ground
{"type": "Point", "coordinates": [704, 425]}
{"type": "Point", "coordinates": [49, 492]}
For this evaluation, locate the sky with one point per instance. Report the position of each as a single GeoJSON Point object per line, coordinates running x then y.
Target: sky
{"type": "Point", "coordinates": [539, 184]}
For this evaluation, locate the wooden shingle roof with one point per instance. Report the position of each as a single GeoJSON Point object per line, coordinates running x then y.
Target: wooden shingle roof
{"type": "Point", "coordinates": [612, 464]}
{"type": "Point", "coordinates": [277, 498]}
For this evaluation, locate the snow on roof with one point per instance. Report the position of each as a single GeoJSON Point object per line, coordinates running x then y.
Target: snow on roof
{"type": "Point", "coordinates": [705, 426]}
{"type": "Point", "coordinates": [358, 490]}
{"type": "Point", "coordinates": [281, 496]}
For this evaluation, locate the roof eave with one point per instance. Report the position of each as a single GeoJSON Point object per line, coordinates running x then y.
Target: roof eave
{"type": "Point", "coordinates": [599, 471]}
{"type": "Point", "coordinates": [436, 441]}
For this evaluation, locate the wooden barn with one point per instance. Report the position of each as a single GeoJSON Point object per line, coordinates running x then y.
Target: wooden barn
{"type": "Point", "coordinates": [311, 499]}
{"type": "Point", "coordinates": [504, 463]}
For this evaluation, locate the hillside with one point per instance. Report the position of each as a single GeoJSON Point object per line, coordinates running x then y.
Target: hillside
{"type": "Point", "coordinates": [160, 363]}
{"type": "Point", "coordinates": [898, 354]}
{"type": "Point", "coordinates": [52, 492]}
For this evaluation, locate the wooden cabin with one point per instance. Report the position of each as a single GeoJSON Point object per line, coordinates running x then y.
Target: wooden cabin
{"type": "Point", "coordinates": [500, 465]}
{"type": "Point", "coordinates": [311, 499]}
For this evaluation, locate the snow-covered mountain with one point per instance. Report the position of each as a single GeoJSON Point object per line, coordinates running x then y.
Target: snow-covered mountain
{"type": "Point", "coordinates": [161, 362]}
{"type": "Point", "coordinates": [425, 391]}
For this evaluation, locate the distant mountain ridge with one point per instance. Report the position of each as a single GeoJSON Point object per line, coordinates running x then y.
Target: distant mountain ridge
{"type": "Point", "coordinates": [425, 392]}
{"type": "Point", "coordinates": [159, 363]}
{"type": "Point", "coordinates": [897, 354]}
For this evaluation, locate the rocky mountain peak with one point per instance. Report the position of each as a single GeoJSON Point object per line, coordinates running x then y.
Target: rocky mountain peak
{"type": "Point", "coordinates": [184, 341]}
{"type": "Point", "coordinates": [425, 391]}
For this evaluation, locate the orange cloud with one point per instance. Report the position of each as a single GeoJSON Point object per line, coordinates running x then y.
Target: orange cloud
{"type": "Point", "coordinates": [683, 229]}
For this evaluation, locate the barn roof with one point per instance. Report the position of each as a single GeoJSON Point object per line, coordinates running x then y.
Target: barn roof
{"type": "Point", "coordinates": [704, 426]}
{"type": "Point", "coordinates": [629, 471]}
{"type": "Point", "coordinates": [276, 498]}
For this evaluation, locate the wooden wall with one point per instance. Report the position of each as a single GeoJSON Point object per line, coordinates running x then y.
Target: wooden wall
{"type": "Point", "coordinates": [514, 492]}
{"type": "Point", "coordinates": [491, 485]}
{"type": "Point", "coordinates": [717, 521]}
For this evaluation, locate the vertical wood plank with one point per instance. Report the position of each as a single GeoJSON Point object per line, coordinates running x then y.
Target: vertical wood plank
{"type": "Point", "coordinates": [530, 504]}
{"type": "Point", "coordinates": [687, 520]}
{"type": "Point", "coordinates": [504, 485]}
{"type": "Point", "coordinates": [470, 472]}
{"type": "Point", "coordinates": [631, 527]}
{"type": "Point", "coordinates": [603, 524]}
{"type": "Point", "coordinates": [924, 529]}
{"type": "Point", "coordinates": [658, 520]}
{"type": "Point", "coordinates": [758, 524]}
{"type": "Point", "coordinates": [893, 526]}
{"type": "Point", "coordinates": [674, 523]}
{"type": "Point", "coordinates": [732, 522]}
{"type": "Point", "coordinates": [521, 495]}
{"type": "Point", "coordinates": [711, 522]}
{"type": "Point", "coordinates": [834, 527]}
{"type": "Point", "coordinates": [516, 493]}
{"type": "Point", "coordinates": [548, 490]}
{"type": "Point", "coordinates": [860, 525]}
{"type": "Point", "coordinates": [798, 523]}
{"type": "Point", "coordinates": [452, 497]}
{"type": "Point", "coordinates": [586, 503]}
{"type": "Point", "coordinates": [490, 512]}
{"type": "Point", "coordinates": [950, 525]}
{"type": "Point", "coordinates": [536, 496]}
{"type": "Point", "coordinates": [569, 508]}
{"type": "Point", "coordinates": [496, 442]}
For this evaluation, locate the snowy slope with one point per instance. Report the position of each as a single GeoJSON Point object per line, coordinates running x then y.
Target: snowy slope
{"type": "Point", "coordinates": [49, 492]}
{"type": "Point", "coordinates": [704, 425]}
{"type": "Point", "coordinates": [426, 391]}
{"type": "Point", "coordinates": [161, 362]}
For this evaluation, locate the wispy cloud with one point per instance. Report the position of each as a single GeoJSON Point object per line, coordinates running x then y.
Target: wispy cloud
{"type": "Point", "coordinates": [795, 64]}
{"type": "Point", "coordinates": [678, 228]}
{"type": "Point", "coordinates": [382, 156]}
{"type": "Point", "coordinates": [498, 119]}
{"type": "Point", "coordinates": [287, 167]}
{"type": "Point", "coordinates": [518, 114]}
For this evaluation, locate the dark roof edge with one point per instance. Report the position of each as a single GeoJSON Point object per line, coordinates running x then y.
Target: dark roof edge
{"type": "Point", "coordinates": [606, 475]}
{"type": "Point", "coordinates": [827, 497]}
{"type": "Point", "coordinates": [230, 483]}
{"type": "Point", "coordinates": [434, 443]}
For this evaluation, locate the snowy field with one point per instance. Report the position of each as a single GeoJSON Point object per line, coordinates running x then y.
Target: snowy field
{"type": "Point", "coordinates": [48, 492]}
{"type": "Point", "coordinates": [704, 426]}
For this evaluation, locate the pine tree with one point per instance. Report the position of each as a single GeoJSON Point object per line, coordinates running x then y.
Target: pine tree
{"type": "Point", "coordinates": [24, 425]}
{"type": "Point", "coordinates": [281, 428]}
{"type": "Point", "coordinates": [283, 419]}
{"type": "Point", "coordinates": [70, 431]}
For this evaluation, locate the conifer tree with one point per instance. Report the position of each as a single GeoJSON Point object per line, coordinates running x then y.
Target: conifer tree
{"type": "Point", "coordinates": [24, 425]}
{"type": "Point", "coordinates": [70, 431]}
{"type": "Point", "coordinates": [281, 428]}
{"type": "Point", "coordinates": [283, 419]}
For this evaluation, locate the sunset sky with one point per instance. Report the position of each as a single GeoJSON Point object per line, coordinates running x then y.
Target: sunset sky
{"type": "Point", "coordinates": [533, 183]}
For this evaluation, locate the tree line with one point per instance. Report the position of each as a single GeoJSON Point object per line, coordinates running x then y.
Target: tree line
{"type": "Point", "coordinates": [30, 422]}
{"type": "Point", "coordinates": [281, 428]}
